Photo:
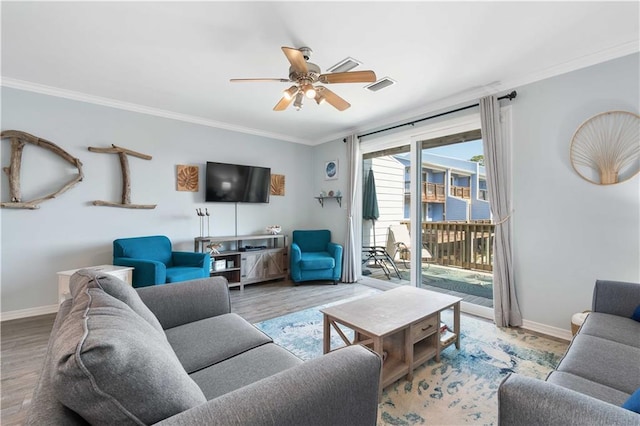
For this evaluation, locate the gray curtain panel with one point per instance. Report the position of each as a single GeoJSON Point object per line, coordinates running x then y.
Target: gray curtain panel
{"type": "Point", "coordinates": [352, 252]}
{"type": "Point", "coordinates": [497, 153]}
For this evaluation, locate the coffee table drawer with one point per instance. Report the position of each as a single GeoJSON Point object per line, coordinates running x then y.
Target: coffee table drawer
{"type": "Point", "coordinates": [424, 328]}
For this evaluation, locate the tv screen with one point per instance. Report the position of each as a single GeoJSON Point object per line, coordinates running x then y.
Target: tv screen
{"type": "Point", "coordinates": [235, 183]}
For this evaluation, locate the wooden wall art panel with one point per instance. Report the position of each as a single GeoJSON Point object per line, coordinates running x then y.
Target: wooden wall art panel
{"type": "Point", "coordinates": [18, 141]}
{"type": "Point", "coordinates": [126, 180]}
{"type": "Point", "coordinates": [187, 178]}
{"type": "Point", "coordinates": [277, 184]}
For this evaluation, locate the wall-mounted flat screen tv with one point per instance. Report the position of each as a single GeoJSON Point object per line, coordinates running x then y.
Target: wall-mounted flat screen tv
{"type": "Point", "coordinates": [235, 183]}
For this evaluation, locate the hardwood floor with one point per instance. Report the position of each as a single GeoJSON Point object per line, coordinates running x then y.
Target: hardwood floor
{"type": "Point", "coordinates": [24, 341]}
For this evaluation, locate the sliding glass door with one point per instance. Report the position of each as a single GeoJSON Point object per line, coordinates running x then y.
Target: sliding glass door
{"type": "Point", "coordinates": [433, 225]}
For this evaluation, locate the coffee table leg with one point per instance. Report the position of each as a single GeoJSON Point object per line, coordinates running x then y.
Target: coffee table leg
{"type": "Point", "coordinates": [377, 348]}
{"type": "Point", "coordinates": [326, 338]}
{"type": "Point", "coordinates": [456, 323]}
{"type": "Point", "coordinates": [408, 352]}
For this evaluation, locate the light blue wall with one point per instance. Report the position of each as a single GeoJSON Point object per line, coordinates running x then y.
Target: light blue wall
{"type": "Point", "coordinates": [581, 231]}
{"type": "Point", "coordinates": [68, 232]}
{"type": "Point", "coordinates": [588, 231]}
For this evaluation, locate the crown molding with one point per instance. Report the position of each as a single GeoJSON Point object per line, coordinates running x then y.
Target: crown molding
{"type": "Point", "coordinates": [576, 64]}
{"type": "Point", "coordinates": [473, 95]}
{"type": "Point", "coordinates": [437, 106]}
{"type": "Point", "coordinates": [127, 106]}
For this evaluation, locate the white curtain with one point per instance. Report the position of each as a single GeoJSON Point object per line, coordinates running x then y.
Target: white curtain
{"type": "Point", "coordinates": [497, 154]}
{"type": "Point", "coordinates": [351, 267]}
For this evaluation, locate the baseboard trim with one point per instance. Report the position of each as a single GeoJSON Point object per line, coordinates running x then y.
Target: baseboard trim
{"type": "Point", "coordinates": [547, 330]}
{"type": "Point", "coordinates": [477, 310]}
{"type": "Point", "coordinates": [30, 312]}
{"type": "Point", "coordinates": [560, 333]}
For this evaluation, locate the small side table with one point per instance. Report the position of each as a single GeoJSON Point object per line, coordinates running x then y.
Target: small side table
{"type": "Point", "coordinates": [577, 320]}
{"type": "Point", "coordinates": [125, 273]}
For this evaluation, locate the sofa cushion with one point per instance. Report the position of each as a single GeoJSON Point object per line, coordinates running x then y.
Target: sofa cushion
{"type": "Point", "coordinates": [244, 369]}
{"type": "Point", "coordinates": [45, 407]}
{"type": "Point", "coordinates": [114, 287]}
{"type": "Point", "coordinates": [102, 338]}
{"type": "Point", "coordinates": [183, 273]}
{"type": "Point", "coordinates": [633, 403]}
{"type": "Point", "coordinates": [603, 361]}
{"type": "Point", "coordinates": [206, 342]}
{"type": "Point", "coordinates": [612, 327]}
{"type": "Point", "coordinates": [312, 261]}
{"type": "Point", "coordinates": [587, 387]}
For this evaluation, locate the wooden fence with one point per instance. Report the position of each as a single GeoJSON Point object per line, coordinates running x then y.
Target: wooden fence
{"type": "Point", "coordinates": [467, 245]}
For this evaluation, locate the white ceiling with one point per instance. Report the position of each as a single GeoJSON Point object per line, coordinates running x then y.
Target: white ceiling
{"type": "Point", "coordinates": [175, 59]}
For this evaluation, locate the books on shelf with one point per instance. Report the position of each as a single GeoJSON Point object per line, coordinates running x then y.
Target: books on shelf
{"type": "Point", "coordinates": [446, 335]}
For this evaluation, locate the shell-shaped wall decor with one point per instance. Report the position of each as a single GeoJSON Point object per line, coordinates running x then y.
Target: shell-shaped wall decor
{"type": "Point", "coordinates": [187, 178]}
{"type": "Point", "coordinates": [605, 149]}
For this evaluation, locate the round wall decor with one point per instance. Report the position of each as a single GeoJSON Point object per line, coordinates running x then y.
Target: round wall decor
{"type": "Point", "coordinates": [605, 149]}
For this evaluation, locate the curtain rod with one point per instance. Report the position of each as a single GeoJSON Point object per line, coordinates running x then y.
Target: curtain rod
{"type": "Point", "coordinates": [509, 96]}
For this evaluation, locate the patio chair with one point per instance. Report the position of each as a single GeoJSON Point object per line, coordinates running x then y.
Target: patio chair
{"type": "Point", "coordinates": [399, 244]}
{"type": "Point", "coordinates": [381, 258]}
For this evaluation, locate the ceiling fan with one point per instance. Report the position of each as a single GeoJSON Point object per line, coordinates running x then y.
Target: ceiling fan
{"type": "Point", "coordinates": [305, 76]}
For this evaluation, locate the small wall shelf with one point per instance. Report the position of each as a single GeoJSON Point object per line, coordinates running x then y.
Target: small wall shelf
{"type": "Point", "coordinates": [338, 199]}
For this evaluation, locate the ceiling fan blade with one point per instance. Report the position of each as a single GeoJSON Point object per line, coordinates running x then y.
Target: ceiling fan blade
{"type": "Point", "coordinates": [283, 104]}
{"type": "Point", "coordinates": [258, 80]}
{"type": "Point", "coordinates": [336, 101]}
{"type": "Point", "coordinates": [348, 77]}
{"type": "Point", "coordinates": [296, 58]}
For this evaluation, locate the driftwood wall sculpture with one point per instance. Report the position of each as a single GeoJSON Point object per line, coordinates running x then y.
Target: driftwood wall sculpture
{"type": "Point", "coordinates": [18, 141]}
{"type": "Point", "coordinates": [126, 180]}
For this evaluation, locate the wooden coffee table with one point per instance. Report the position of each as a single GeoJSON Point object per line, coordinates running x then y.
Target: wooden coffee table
{"type": "Point", "coordinates": [401, 325]}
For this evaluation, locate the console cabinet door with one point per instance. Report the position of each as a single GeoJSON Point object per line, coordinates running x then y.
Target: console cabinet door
{"type": "Point", "coordinates": [252, 267]}
{"type": "Point", "coordinates": [274, 263]}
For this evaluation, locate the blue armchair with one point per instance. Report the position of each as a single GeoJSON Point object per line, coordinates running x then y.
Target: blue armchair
{"type": "Point", "coordinates": [315, 257]}
{"type": "Point", "coordinates": [155, 262]}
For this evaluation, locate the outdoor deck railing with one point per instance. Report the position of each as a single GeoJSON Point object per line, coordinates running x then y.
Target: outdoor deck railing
{"type": "Point", "coordinates": [467, 245]}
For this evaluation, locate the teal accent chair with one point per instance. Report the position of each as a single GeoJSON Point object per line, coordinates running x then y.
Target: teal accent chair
{"type": "Point", "coordinates": [155, 262]}
{"type": "Point", "coordinates": [315, 257]}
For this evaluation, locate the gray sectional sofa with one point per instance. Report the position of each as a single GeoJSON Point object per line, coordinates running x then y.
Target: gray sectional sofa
{"type": "Point", "coordinates": [598, 373]}
{"type": "Point", "coordinates": [175, 355]}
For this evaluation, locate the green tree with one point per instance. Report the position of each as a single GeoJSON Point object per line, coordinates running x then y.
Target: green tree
{"type": "Point", "coordinates": [478, 159]}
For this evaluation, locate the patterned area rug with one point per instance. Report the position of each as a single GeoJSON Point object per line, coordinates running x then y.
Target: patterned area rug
{"type": "Point", "coordinates": [460, 389]}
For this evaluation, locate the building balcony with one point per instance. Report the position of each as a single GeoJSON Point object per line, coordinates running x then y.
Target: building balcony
{"type": "Point", "coordinates": [433, 192]}
{"type": "Point", "coordinates": [460, 192]}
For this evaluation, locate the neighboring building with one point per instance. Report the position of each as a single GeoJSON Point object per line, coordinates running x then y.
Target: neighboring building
{"type": "Point", "coordinates": [452, 189]}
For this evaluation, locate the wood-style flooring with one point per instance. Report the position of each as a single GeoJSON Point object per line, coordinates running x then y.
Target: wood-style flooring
{"type": "Point", "coordinates": [24, 341]}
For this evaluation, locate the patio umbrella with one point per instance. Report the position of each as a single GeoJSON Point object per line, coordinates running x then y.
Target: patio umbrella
{"type": "Point", "coordinates": [370, 203]}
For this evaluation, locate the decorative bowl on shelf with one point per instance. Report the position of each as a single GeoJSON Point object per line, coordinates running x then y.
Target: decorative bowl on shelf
{"type": "Point", "coordinates": [274, 229]}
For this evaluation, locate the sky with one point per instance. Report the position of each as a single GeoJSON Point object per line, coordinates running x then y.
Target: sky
{"type": "Point", "coordinates": [463, 151]}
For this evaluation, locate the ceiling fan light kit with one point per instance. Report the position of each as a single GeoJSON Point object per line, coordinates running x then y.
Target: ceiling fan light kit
{"type": "Point", "coordinates": [305, 75]}
{"type": "Point", "coordinates": [291, 92]}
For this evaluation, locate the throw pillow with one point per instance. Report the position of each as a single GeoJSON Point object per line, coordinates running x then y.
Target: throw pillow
{"type": "Point", "coordinates": [636, 314]}
{"type": "Point", "coordinates": [114, 287]}
{"type": "Point", "coordinates": [633, 403]}
{"type": "Point", "coordinates": [113, 367]}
